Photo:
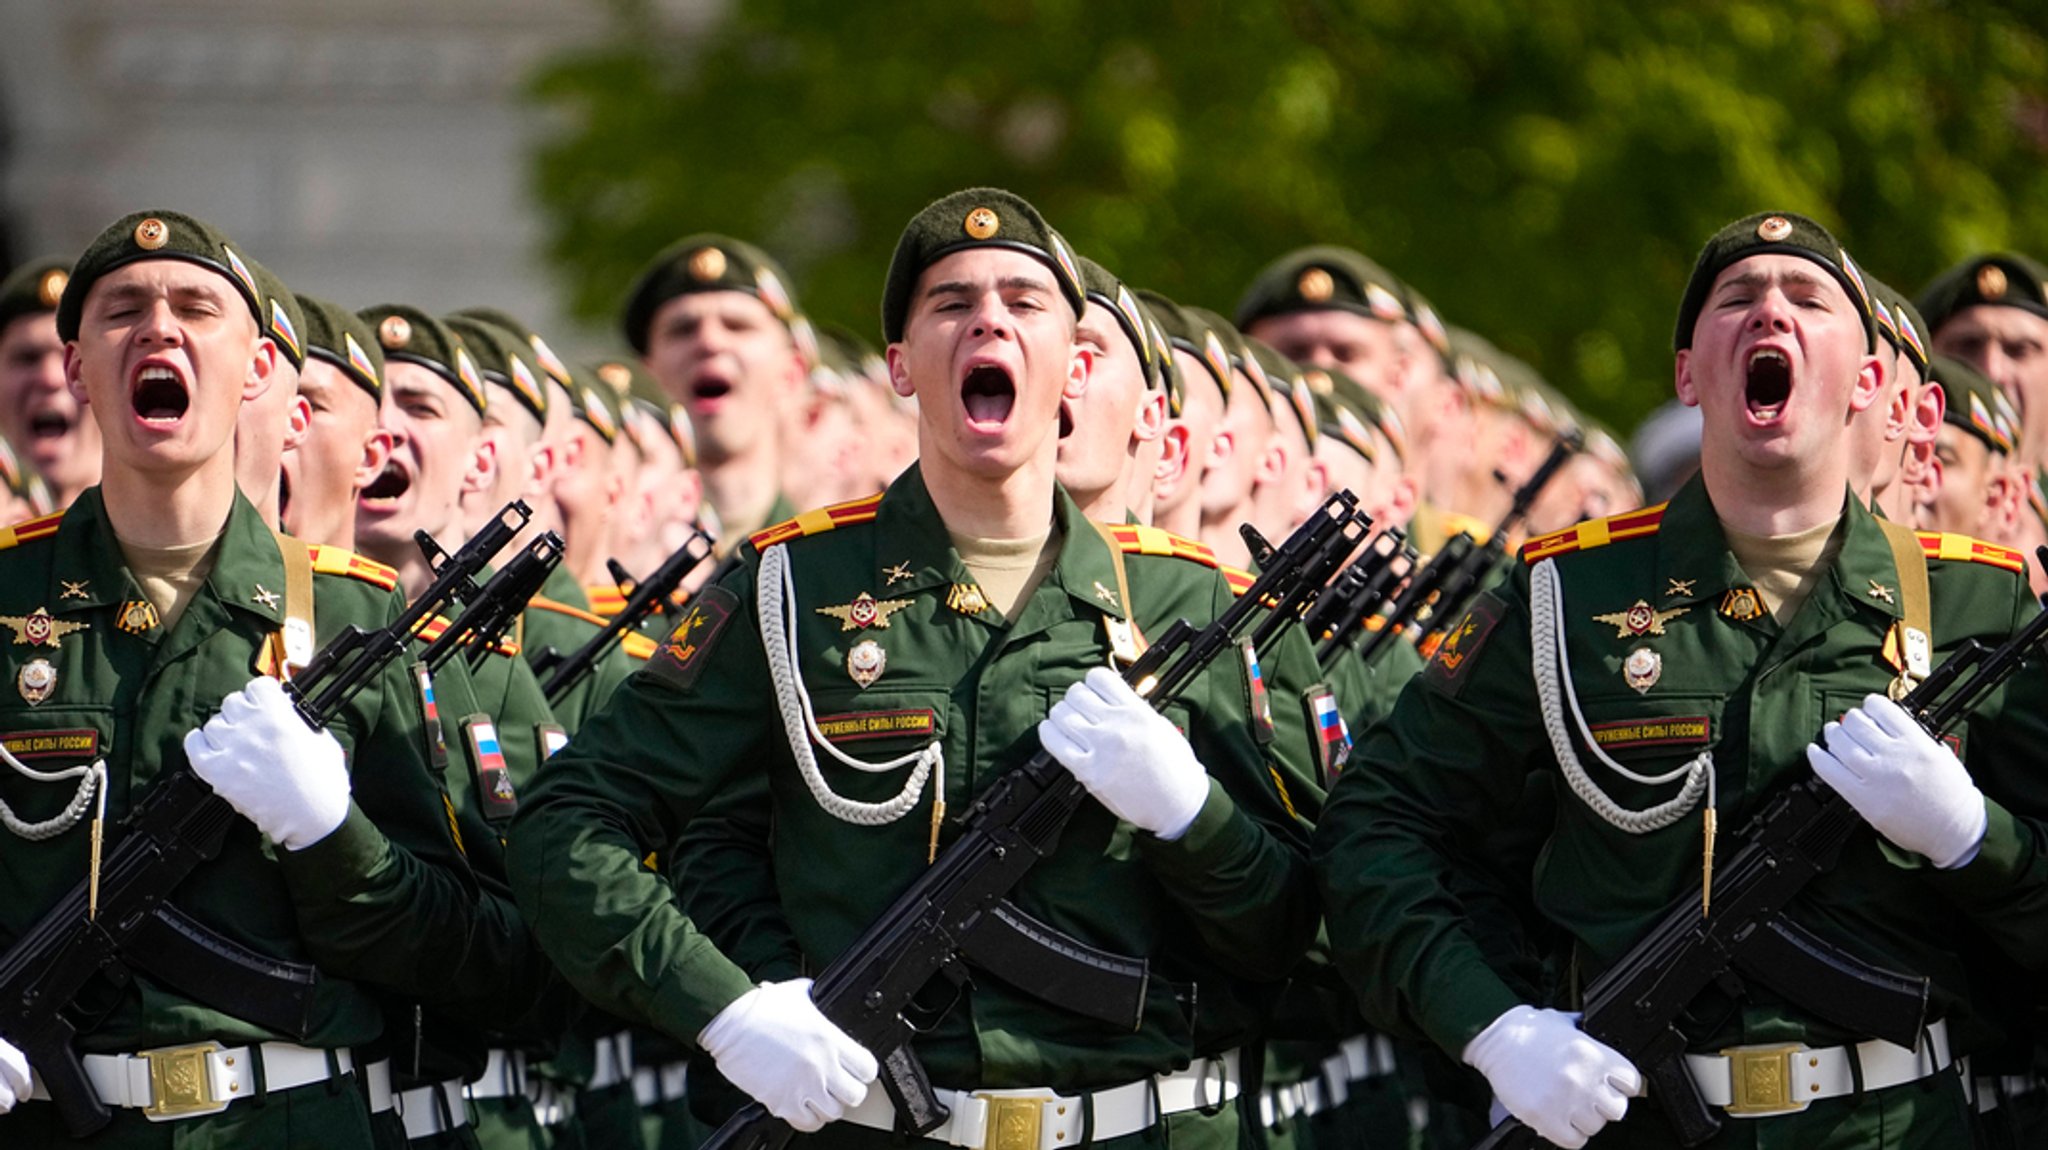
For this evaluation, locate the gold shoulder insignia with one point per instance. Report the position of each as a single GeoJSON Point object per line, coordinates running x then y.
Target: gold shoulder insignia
{"type": "Point", "coordinates": [328, 560]}
{"type": "Point", "coordinates": [29, 530]}
{"type": "Point", "coordinates": [1945, 545]}
{"type": "Point", "coordinates": [817, 522]}
{"type": "Point", "coordinates": [1593, 533]}
{"type": "Point", "coordinates": [1133, 539]}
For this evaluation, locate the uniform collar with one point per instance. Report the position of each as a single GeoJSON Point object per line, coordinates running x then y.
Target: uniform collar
{"type": "Point", "coordinates": [247, 574]}
{"type": "Point", "coordinates": [1693, 554]}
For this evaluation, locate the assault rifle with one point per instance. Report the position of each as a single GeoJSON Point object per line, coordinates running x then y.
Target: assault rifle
{"type": "Point", "coordinates": [958, 911]}
{"type": "Point", "coordinates": [1455, 575]}
{"type": "Point", "coordinates": [1340, 613]}
{"type": "Point", "coordinates": [487, 615]}
{"type": "Point", "coordinates": [1634, 1006]}
{"type": "Point", "coordinates": [65, 974]}
{"type": "Point", "coordinates": [648, 596]}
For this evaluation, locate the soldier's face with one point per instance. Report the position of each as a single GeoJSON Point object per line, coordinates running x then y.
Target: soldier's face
{"type": "Point", "coordinates": [988, 351]}
{"type": "Point", "coordinates": [167, 351]}
{"type": "Point", "coordinates": [2010, 347]}
{"type": "Point", "coordinates": [1096, 425]}
{"type": "Point", "coordinates": [1237, 452]}
{"type": "Point", "coordinates": [265, 432]}
{"type": "Point", "coordinates": [732, 365]}
{"type": "Point", "coordinates": [342, 452]}
{"type": "Point", "coordinates": [1778, 364]}
{"type": "Point", "coordinates": [1201, 413]}
{"type": "Point", "coordinates": [1967, 470]}
{"type": "Point", "coordinates": [1366, 349]}
{"type": "Point", "coordinates": [432, 462]}
{"type": "Point", "coordinates": [46, 425]}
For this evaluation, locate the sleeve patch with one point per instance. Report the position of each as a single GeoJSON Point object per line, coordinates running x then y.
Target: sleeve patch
{"type": "Point", "coordinates": [1326, 723]}
{"type": "Point", "coordinates": [1450, 665]}
{"type": "Point", "coordinates": [683, 655]}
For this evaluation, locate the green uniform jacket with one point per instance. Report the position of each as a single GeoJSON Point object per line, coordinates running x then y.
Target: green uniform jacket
{"type": "Point", "coordinates": [703, 713]}
{"type": "Point", "coordinates": [559, 618]}
{"type": "Point", "coordinates": [389, 902]}
{"type": "Point", "coordinates": [1452, 764]}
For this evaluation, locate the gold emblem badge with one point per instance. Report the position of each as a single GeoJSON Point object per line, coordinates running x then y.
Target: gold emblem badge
{"type": "Point", "coordinates": [706, 265]}
{"type": "Point", "coordinates": [36, 679]}
{"type": "Point", "coordinates": [394, 332]}
{"type": "Point", "coordinates": [50, 288]}
{"type": "Point", "coordinates": [152, 234]}
{"type": "Point", "coordinates": [616, 376]}
{"type": "Point", "coordinates": [1773, 229]}
{"type": "Point", "coordinates": [1642, 668]}
{"type": "Point", "coordinates": [967, 599]}
{"type": "Point", "coordinates": [1639, 619]}
{"type": "Point", "coordinates": [1991, 281]}
{"type": "Point", "coordinates": [1315, 285]}
{"type": "Point", "coordinates": [1105, 594]}
{"type": "Point", "coordinates": [1319, 382]}
{"type": "Point", "coordinates": [264, 597]}
{"type": "Point", "coordinates": [1742, 604]}
{"type": "Point", "coordinates": [866, 662]}
{"type": "Point", "coordinates": [1880, 592]}
{"type": "Point", "coordinates": [865, 611]}
{"type": "Point", "coordinates": [73, 590]}
{"type": "Point", "coordinates": [1679, 588]}
{"type": "Point", "coordinates": [38, 629]}
{"type": "Point", "coordinates": [137, 617]}
{"type": "Point", "coordinates": [981, 223]}
{"type": "Point", "coordinates": [897, 573]}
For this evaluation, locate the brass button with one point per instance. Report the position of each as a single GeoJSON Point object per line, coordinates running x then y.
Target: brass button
{"type": "Point", "coordinates": [707, 264]}
{"type": "Point", "coordinates": [981, 223]}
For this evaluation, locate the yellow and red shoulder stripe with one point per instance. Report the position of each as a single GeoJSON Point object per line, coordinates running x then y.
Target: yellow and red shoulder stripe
{"type": "Point", "coordinates": [606, 600]}
{"type": "Point", "coordinates": [1594, 533]}
{"type": "Point", "coordinates": [437, 626]}
{"type": "Point", "coordinates": [638, 647]}
{"type": "Point", "coordinates": [816, 522]}
{"type": "Point", "coordinates": [1240, 580]}
{"type": "Point", "coordinates": [1944, 545]}
{"type": "Point", "coordinates": [1133, 539]}
{"type": "Point", "coordinates": [29, 530]}
{"type": "Point", "coordinates": [329, 560]}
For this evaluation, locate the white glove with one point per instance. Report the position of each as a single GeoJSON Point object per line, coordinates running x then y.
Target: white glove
{"type": "Point", "coordinates": [14, 1076]}
{"type": "Point", "coordinates": [773, 1044]}
{"type": "Point", "coordinates": [284, 776]}
{"type": "Point", "coordinates": [1128, 755]}
{"type": "Point", "coordinates": [1904, 783]}
{"type": "Point", "coordinates": [1560, 1081]}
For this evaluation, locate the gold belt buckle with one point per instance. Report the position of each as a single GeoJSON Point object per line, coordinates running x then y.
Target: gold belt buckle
{"type": "Point", "coordinates": [1760, 1081]}
{"type": "Point", "coordinates": [1013, 1123]}
{"type": "Point", "coordinates": [179, 1086]}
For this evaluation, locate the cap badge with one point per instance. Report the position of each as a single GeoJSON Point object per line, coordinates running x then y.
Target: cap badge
{"type": "Point", "coordinates": [706, 264]}
{"type": "Point", "coordinates": [152, 234]}
{"type": "Point", "coordinates": [1773, 229]}
{"type": "Point", "coordinates": [395, 331]}
{"type": "Point", "coordinates": [1991, 281]}
{"type": "Point", "coordinates": [981, 223]}
{"type": "Point", "coordinates": [1315, 285]}
{"type": "Point", "coordinates": [616, 376]}
{"type": "Point", "coordinates": [50, 288]}
{"type": "Point", "coordinates": [866, 662]}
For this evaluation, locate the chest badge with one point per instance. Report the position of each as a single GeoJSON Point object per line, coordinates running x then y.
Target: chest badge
{"type": "Point", "coordinates": [1639, 619]}
{"type": "Point", "coordinates": [137, 617]}
{"type": "Point", "coordinates": [38, 629]}
{"type": "Point", "coordinates": [1742, 604]}
{"type": "Point", "coordinates": [1880, 592]}
{"type": "Point", "coordinates": [1642, 669]}
{"type": "Point", "coordinates": [74, 590]}
{"type": "Point", "coordinates": [865, 611]}
{"type": "Point", "coordinates": [1105, 594]}
{"type": "Point", "coordinates": [36, 679]}
{"type": "Point", "coordinates": [865, 663]}
{"type": "Point", "coordinates": [896, 573]}
{"type": "Point", "coordinates": [1680, 588]}
{"type": "Point", "coordinates": [967, 599]}
{"type": "Point", "coordinates": [265, 597]}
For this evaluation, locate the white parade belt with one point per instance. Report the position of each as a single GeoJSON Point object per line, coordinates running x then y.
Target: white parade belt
{"type": "Point", "coordinates": [433, 1109]}
{"type": "Point", "coordinates": [1760, 1081]}
{"type": "Point", "coordinates": [189, 1081]}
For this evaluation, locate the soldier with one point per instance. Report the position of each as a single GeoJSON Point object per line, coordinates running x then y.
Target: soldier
{"type": "Point", "coordinates": [1294, 481]}
{"type": "Point", "coordinates": [273, 424]}
{"type": "Point", "coordinates": [1705, 642]}
{"type": "Point", "coordinates": [163, 588]}
{"type": "Point", "coordinates": [344, 448]}
{"type": "Point", "coordinates": [1121, 406]}
{"type": "Point", "coordinates": [39, 416]}
{"type": "Point", "coordinates": [714, 321]}
{"type": "Point", "coordinates": [1914, 413]}
{"type": "Point", "coordinates": [1363, 447]}
{"type": "Point", "coordinates": [1991, 311]}
{"type": "Point", "coordinates": [980, 310]}
{"type": "Point", "coordinates": [1189, 441]}
{"type": "Point", "coordinates": [515, 417]}
{"type": "Point", "coordinates": [1241, 455]}
{"type": "Point", "coordinates": [1981, 492]}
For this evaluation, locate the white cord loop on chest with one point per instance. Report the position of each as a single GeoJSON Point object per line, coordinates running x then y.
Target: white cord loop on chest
{"type": "Point", "coordinates": [1555, 692]}
{"type": "Point", "coordinates": [776, 597]}
{"type": "Point", "coordinates": [92, 780]}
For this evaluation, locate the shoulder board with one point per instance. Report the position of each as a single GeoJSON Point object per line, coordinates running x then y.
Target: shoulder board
{"type": "Point", "coordinates": [638, 648]}
{"type": "Point", "coordinates": [1132, 539]}
{"type": "Point", "coordinates": [1943, 545]}
{"type": "Point", "coordinates": [542, 603]}
{"type": "Point", "coordinates": [816, 522]}
{"type": "Point", "coordinates": [1240, 581]}
{"type": "Point", "coordinates": [605, 599]}
{"type": "Point", "coordinates": [28, 530]}
{"type": "Point", "coordinates": [328, 560]}
{"type": "Point", "coordinates": [1593, 533]}
{"type": "Point", "coordinates": [437, 626]}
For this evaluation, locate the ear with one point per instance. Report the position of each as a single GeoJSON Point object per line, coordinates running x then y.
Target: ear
{"type": "Point", "coordinates": [1683, 385]}
{"type": "Point", "coordinates": [2005, 500]}
{"type": "Point", "coordinates": [1401, 500]}
{"type": "Point", "coordinates": [1273, 464]}
{"type": "Point", "coordinates": [482, 474]}
{"type": "Point", "coordinates": [542, 470]}
{"type": "Point", "coordinates": [298, 423]}
{"type": "Point", "coordinates": [1930, 491]}
{"type": "Point", "coordinates": [1930, 407]}
{"type": "Point", "coordinates": [376, 452]}
{"type": "Point", "coordinates": [262, 363]}
{"type": "Point", "coordinates": [1870, 381]}
{"type": "Point", "coordinates": [1223, 446]}
{"type": "Point", "coordinates": [72, 380]}
{"type": "Point", "coordinates": [1173, 458]}
{"type": "Point", "coordinates": [1151, 417]}
{"type": "Point", "coordinates": [1315, 484]}
{"type": "Point", "coordinates": [1078, 369]}
{"type": "Point", "coordinates": [686, 493]}
{"type": "Point", "coordinates": [1898, 414]}
{"type": "Point", "coordinates": [899, 371]}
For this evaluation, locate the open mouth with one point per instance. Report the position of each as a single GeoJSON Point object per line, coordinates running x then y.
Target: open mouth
{"type": "Point", "coordinates": [1769, 384]}
{"type": "Point", "coordinates": [49, 425]}
{"type": "Point", "coordinates": [988, 395]}
{"type": "Point", "coordinates": [160, 396]}
{"type": "Point", "coordinates": [1066, 419]}
{"type": "Point", "coordinates": [389, 484]}
{"type": "Point", "coordinates": [711, 387]}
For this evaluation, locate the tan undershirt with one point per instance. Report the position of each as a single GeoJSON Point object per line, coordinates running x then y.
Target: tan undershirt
{"type": "Point", "coordinates": [1008, 570]}
{"type": "Point", "coordinates": [170, 576]}
{"type": "Point", "coordinates": [1786, 567]}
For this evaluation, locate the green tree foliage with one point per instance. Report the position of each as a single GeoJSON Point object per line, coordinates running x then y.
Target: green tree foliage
{"type": "Point", "coordinates": [1543, 171]}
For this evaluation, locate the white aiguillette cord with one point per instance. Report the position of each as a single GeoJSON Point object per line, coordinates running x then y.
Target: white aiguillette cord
{"type": "Point", "coordinates": [92, 788]}
{"type": "Point", "coordinates": [776, 596]}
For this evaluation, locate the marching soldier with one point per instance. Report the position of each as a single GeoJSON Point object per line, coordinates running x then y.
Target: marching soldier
{"type": "Point", "coordinates": [1666, 663]}
{"type": "Point", "coordinates": [1189, 858]}
{"type": "Point", "coordinates": [1189, 440]}
{"type": "Point", "coordinates": [39, 417]}
{"type": "Point", "coordinates": [1241, 455]}
{"type": "Point", "coordinates": [273, 424]}
{"type": "Point", "coordinates": [1122, 405]}
{"type": "Point", "coordinates": [345, 447]}
{"type": "Point", "coordinates": [1991, 312]}
{"type": "Point", "coordinates": [1982, 492]}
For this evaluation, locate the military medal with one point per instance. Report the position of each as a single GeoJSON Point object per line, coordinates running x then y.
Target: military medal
{"type": "Point", "coordinates": [36, 679]}
{"type": "Point", "coordinates": [896, 573]}
{"type": "Point", "coordinates": [1639, 619]}
{"type": "Point", "coordinates": [73, 590]}
{"type": "Point", "coordinates": [865, 611]}
{"type": "Point", "coordinates": [38, 629]}
{"type": "Point", "coordinates": [1642, 668]}
{"type": "Point", "coordinates": [865, 662]}
{"type": "Point", "coordinates": [1742, 604]}
{"type": "Point", "coordinates": [137, 617]}
{"type": "Point", "coordinates": [967, 599]}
